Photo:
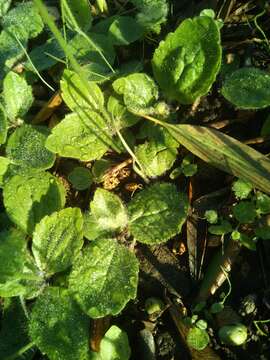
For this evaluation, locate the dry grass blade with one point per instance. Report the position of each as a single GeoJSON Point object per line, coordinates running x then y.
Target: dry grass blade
{"type": "Point", "coordinates": [223, 152]}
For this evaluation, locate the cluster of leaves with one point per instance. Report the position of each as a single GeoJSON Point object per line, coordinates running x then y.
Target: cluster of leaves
{"type": "Point", "coordinates": [249, 217]}
{"type": "Point", "coordinates": [69, 261]}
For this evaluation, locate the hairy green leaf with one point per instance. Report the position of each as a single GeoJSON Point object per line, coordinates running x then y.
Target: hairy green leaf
{"type": "Point", "coordinates": [91, 229]}
{"type": "Point", "coordinates": [4, 6]}
{"type": "Point", "coordinates": [105, 278]}
{"type": "Point", "coordinates": [211, 216]}
{"type": "Point", "coordinates": [23, 21]}
{"type": "Point", "coordinates": [114, 345]}
{"type": "Point", "coordinates": [241, 189]}
{"type": "Point", "coordinates": [28, 198]}
{"type": "Point", "coordinates": [17, 95]}
{"type": "Point", "coordinates": [224, 227]}
{"type": "Point", "coordinates": [13, 332]}
{"type": "Point", "coordinates": [125, 30]}
{"type": "Point", "coordinates": [12, 259]}
{"type": "Point", "coordinates": [186, 64]}
{"type": "Point", "coordinates": [157, 213]}
{"type": "Point", "coordinates": [122, 118]}
{"type": "Point", "coordinates": [58, 327]}
{"type": "Point", "coordinates": [248, 88]}
{"type": "Point", "coordinates": [245, 212]}
{"type": "Point", "coordinates": [3, 126]}
{"type": "Point", "coordinates": [32, 279]}
{"type": "Point", "coordinates": [80, 178]}
{"type": "Point", "coordinates": [85, 136]}
{"type": "Point", "coordinates": [4, 165]}
{"type": "Point", "coordinates": [26, 147]}
{"type": "Point", "coordinates": [108, 211]}
{"type": "Point", "coordinates": [152, 13]}
{"type": "Point", "coordinates": [155, 158]}
{"type": "Point", "coordinates": [138, 90]}
{"type": "Point", "coordinates": [77, 96]}
{"type": "Point", "coordinates": [57, 240]}
{"type": "Point", "coordinates": [262, 203]}
{"type": "Point", "coordinates": [197, 338]}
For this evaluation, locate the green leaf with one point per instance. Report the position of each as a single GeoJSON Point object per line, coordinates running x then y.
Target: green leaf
{"type": "Point", "coordinates": [155, 157]}
{"type": "Point", "coordinates": [139, 90]}
{"type": "Point", "coordinates": [99, 50]}
{"type": "Point", "coordinates": [108, 211]}
{"type": "Point", "coordinates": [57, 240]}
{"type": "Point", "coordinates": [10, 53]}
{"type": "Point", "coordinates": [91, 229]}
{"type": "Point", "coordinates": [122, 118]}
{"type": "Point", "coordinates": [13, 337]}
{"type": "Point", "coordinates": [114, 345]}
{"type": "Point", "coordinates": [105, 278]}
{"type": "Point", "coordinates": [12, 258]}
{"type": "Point", "coordinates": [187, 166]}
{"type": "Point", "coordinates": [85, 136]}
{"type": "Point", "coordinates": [186, 64]}
{"type": "Point", "coordinates": [77, 96]}
{"type": "Point", "coordinates": [216, 307]}
{"type": "Point", "coordinates": [152, 14]}
{"type": "Point", "coordinates": [262, 203]}
{"type": "Point", "coordinates": [4, 165]}
{"type": "Point", "coordinates": [175, 173]}
{"type": "Point", "coordinates": [248, 242]}
{"type": "Point", "coordinates": [245, 212]}
{"type": "Point", "coordinates": [201, 324]}
{"type": "Point", "coordinates": [197, 338]}
{"type": "Point", "coordinates": [18, 276]}
{"type": "Point", "coordinates": [17, 95]}
{"type": "Point", "coordinates": [45, 55]}
{"type": "Point", "coordinates": [77, 14]}
{"type": "Point", "coordinates": [80, 178]}
{"type": "Point", "coordinates": [247, 88]}
{"type": "Point", "coordinates": [224, 152]}
{"type": "Point", "coordinates": [23, 21]}
{"type": "Point", "coordinates": [157, 213]}
{"type": "Point", "coordinates": [28, 198]}
{"type": "Point", "coordinates": [97, 73]}
{"type": "Point", "coordinates": [233, 335]}
{"type": "Point", "coordinates": [99, 169]}
{"type": "Point", "coordinates": [3, 126]}
{"type": "Point", "coordinates": [265, 130]}
{"type": "Point", "coordinates": [125, 30]}
{"type": "Point", "coordinates": [242, 188]}
{"type": "Point", "coordinates": [4, 6]}
{"type": "Point", "coordinates": [244, 240]}
{"type": "Point", "coordinates": [221, 229]}
{"type": "Point", "coordinates": [58, 327]}
{"type": "Point", "coordinates": [263, 232]}
{"type": "Point", "coordinates": [26, 147]}
{"type": "Point", "coordinates": [32, 279]}
{"type": "Point", "coordinates": [211, 216]}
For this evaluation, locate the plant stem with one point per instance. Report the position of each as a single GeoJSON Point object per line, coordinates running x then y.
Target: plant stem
{"type": "Point", "coordinates": [75, 66]}
{"type": "Point", "coordinates": [20, 352]}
